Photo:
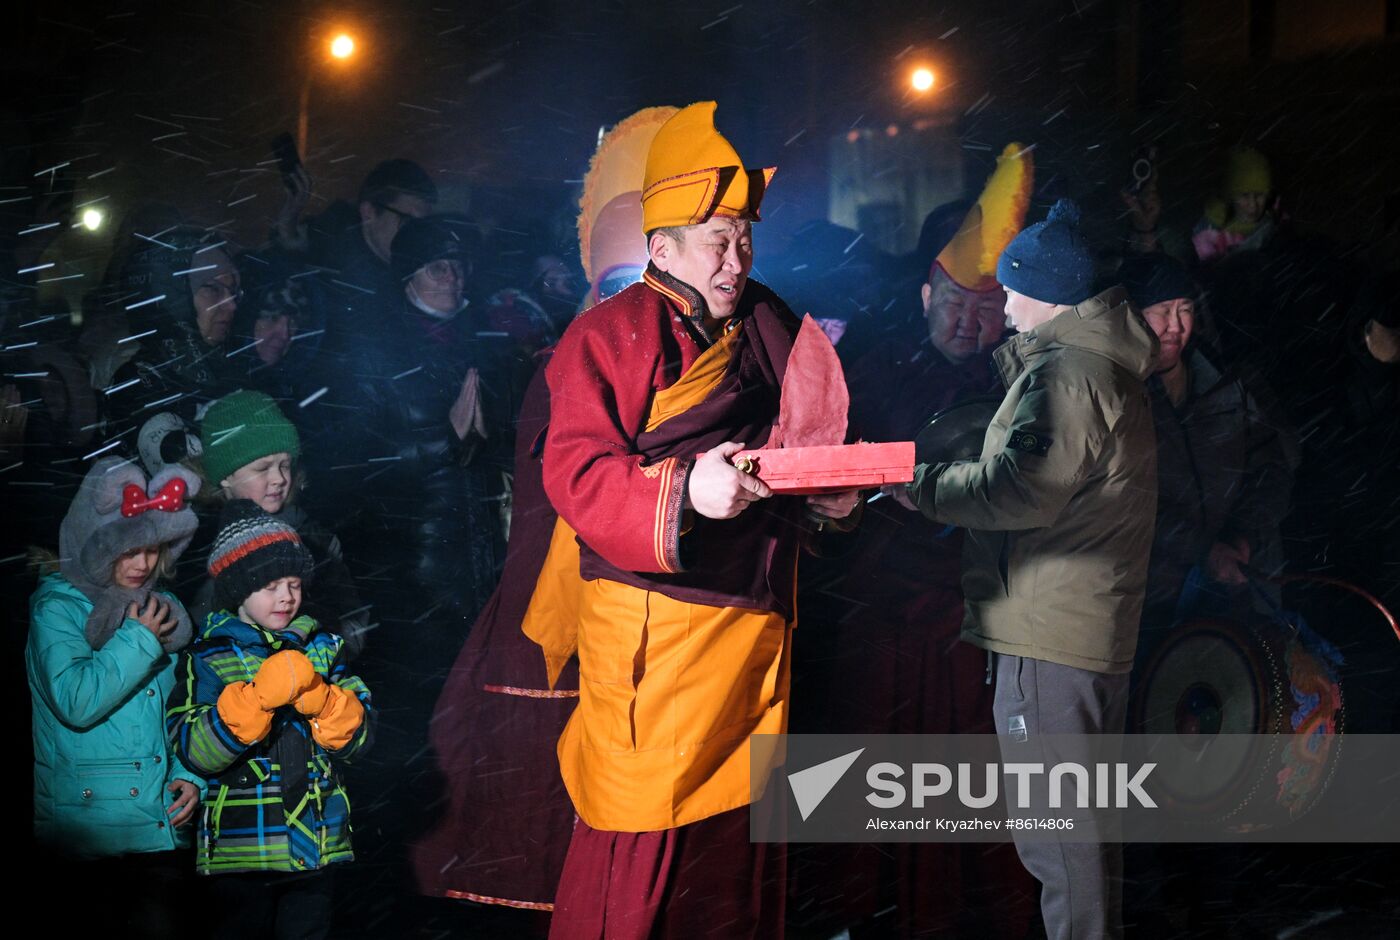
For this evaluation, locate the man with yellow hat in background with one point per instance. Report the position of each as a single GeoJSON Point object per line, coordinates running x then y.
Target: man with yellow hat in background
{"type": "Point", "coordinates": [1059, 511]}
{"type": "Point", "coordinates": [886, 609]}
{"type": "Point", "coordinates": [684, 618]}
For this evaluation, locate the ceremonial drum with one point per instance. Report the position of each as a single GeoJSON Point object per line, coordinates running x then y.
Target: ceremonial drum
{"type": "Point", "coordinates": [956, 433]}
{"type": "Point", "coordinates": [1254, 714]}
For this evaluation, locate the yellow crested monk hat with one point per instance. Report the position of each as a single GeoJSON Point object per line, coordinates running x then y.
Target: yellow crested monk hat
{"type": "Point", "coordinates": [970, 259]}
{"type": "Point", "coordinates": [693, 174]}
{"type": "Point", "coordinates": [610, 209]}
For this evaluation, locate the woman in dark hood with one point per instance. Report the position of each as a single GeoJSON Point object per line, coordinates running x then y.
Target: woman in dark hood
{"type": "Point", "coordinates": [179, 294]}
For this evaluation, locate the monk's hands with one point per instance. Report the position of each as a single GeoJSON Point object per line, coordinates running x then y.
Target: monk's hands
{"type": "Point", "coordinates": [719, 490]}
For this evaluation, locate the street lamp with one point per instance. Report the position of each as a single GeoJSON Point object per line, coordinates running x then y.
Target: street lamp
{"type": "Point", "coordinates": [92, 219]}
{"type": "Point", "coordinates": [341, 48]}
{"type": "Point", "coordinates": [922, 79]}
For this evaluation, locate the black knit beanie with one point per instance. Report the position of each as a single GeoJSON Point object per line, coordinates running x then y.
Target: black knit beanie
{"type": "Point", "coordinates": [253, 549]}
{"type": "Point", "coordinates": [1152, 279]}
{"type": "Point", "coordinates": [433, 238]}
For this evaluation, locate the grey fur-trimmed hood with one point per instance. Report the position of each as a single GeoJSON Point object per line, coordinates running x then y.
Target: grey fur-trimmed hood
{"type": "Point", "coordinates": [95, 533]}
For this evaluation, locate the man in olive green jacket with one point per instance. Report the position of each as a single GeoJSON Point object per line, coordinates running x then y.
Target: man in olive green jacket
{"type": "Point", "coordinates": [1060, 510]}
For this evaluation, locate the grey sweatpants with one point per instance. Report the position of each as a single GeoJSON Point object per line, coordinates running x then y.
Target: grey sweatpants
{"type": "Point", "coordinates": [1082, 882]}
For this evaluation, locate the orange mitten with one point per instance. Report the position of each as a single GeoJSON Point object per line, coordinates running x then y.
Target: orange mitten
{"type": "Point", "coordinates": [282, 677]}
{"type": "Point", "coordinates": [245, 716]}
{"type": "Point", "coordinates": [313, 701]}
{"type": "Point", "coordinates": [337, 723]}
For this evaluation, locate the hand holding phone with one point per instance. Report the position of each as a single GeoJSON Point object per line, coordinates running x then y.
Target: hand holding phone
{"type": "Point", "coordinates": [284, 148]}
{"type": "Point", "coordinates": [298, 183]}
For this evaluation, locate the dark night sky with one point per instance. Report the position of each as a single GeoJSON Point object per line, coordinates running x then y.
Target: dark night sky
{"type": "Point", "coordinates": [506, 94]}
{"type": "Point", "coordinates": [503, 102]}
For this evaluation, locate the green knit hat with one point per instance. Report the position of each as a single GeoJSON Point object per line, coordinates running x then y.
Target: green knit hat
{"type": "Point", "coordinates": [240, 428]}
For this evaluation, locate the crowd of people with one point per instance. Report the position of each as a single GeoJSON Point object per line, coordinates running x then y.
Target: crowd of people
{"type": "Point", "coordinates": [327, 517]}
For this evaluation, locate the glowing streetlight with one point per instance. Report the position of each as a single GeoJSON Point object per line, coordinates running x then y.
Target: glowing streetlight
{"type": "Point", "coordinates": [922, 79]}
{"type": "Point", "coordinates": [342, 47]}
{"type": "Point", "coordinates": [92, 219]}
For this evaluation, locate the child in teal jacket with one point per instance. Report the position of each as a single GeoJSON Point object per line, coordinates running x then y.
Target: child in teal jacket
{"type": "Point", "coordinates": [100, 659]}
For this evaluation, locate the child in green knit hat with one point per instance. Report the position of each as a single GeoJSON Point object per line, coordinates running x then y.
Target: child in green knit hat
{"type": "Point", "coordinates": [251, 451]}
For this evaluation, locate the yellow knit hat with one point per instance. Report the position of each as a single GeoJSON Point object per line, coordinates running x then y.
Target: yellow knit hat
{"type": "Point", "coordinates": [694, 174]}
{"type": "Point", "coordinates": [1247, 171]}
{"type": "Point", "coordinates": [970, 259]}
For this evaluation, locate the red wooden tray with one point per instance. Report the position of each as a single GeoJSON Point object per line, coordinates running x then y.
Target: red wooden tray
{"type": "Point", "coordinates": [801, 470]}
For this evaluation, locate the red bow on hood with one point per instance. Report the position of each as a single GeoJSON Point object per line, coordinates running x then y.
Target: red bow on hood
{"type": "Point", "coordinates": [169, 498]}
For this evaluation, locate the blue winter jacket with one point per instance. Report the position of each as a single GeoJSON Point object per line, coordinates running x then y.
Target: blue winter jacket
{"type": "Point", "coordinates": [101, 758]}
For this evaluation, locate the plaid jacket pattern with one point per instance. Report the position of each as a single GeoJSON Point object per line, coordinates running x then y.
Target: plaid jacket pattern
{"type": "Point", "coordinates": [278, 805]}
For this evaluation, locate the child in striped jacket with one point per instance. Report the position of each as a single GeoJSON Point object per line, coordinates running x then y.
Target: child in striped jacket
{"type": "Point", "coordinates": [264, 708]}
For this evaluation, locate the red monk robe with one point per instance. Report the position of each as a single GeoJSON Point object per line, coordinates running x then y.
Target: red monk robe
{"type": "Point", "coordinates": [506, 820]}
{"type": "Point", "coordinates": [685, 623]}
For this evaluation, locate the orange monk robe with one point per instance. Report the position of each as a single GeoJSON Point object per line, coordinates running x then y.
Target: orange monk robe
{"type": "Point", "coordinates": [684, 624]}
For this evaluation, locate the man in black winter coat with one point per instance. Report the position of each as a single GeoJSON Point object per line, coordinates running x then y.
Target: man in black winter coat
{"type": "Point", "coordinates": [355, 241]}
{"type": "Point", "coordinates": [349, 244]}
{"type": "Point", "coordinates": [1225, 462]}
